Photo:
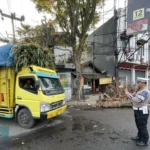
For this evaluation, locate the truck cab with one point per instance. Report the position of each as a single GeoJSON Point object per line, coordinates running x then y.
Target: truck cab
{"type": "Point", "coordinates": [33, 93]}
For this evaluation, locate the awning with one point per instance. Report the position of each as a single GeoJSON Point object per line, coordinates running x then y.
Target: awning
{"type": "Point", "coordinates": [130, 65]}
{"type": "Point", "coordinates": [95, 76]}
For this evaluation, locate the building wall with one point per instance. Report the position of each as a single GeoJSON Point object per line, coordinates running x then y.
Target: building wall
{"type": "Point", "coordinates": [62, 54]}
{"type": "Point", "coordinates": [103, 46]}
{"type": "Point", "coordinates": [139, 74]}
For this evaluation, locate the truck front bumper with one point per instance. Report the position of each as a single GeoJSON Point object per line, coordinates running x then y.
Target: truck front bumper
{"type": "Point", "coordinates": [53, 113]}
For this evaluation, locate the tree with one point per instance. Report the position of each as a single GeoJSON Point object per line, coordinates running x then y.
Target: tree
{"type": "Point", "coordinates": [29, 34]}
{"type": "Point", "coordinates": [75, 17]}
{"type": "Point", "coordinates": [43, 35]}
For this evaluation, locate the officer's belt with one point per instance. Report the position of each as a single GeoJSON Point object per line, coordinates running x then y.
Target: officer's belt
{"type": "Point", "coordinates": [137, 108]}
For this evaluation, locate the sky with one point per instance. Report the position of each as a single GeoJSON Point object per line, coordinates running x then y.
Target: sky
{"type": "Point", "coordinates": [32, 17]}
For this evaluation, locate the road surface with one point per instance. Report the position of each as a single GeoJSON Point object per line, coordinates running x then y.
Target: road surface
{"type": "Point", "coordinates": [107, 129]}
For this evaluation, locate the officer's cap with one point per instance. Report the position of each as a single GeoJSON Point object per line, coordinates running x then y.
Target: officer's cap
{"type": "Point", "coordinates": [143, 80]}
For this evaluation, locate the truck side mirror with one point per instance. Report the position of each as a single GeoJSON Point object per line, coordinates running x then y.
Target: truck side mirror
{"type": "Point", "coordinates": [37, 84]}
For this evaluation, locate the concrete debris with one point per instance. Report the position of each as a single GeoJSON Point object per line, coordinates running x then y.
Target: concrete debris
{"type": "Point", "coordinates": [103, 129]}
{"type": "Point", "coordinates": [95, 126]}
{"type": "Point", "coordinates": [112, 100]}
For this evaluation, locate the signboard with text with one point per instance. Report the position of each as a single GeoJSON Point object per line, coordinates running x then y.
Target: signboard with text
{"type": "Point", "coordinates": [103, 81]}
{"type": "Point", "coordinates": [138, 18]}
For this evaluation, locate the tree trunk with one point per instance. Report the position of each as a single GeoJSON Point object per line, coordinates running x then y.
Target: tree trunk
{"type": "Point", "coordinates": [77, 60]}
{"type": "Point", "coordinates": [78, 71]}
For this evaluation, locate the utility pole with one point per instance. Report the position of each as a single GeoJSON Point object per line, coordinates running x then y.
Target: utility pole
{"type": "Point", "coordinates": [116, 50]}
{"type": "Point", "coordinates": [13, 17]}
{"type": "Point", "coordinates": [93, 63]}
{"type": "Point", "coordinates": [93, 48]}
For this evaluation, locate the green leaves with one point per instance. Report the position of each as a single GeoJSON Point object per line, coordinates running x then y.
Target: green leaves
{"type": "Point", "coordinates": [30, 54]}
{"type": "Point", "coordinates": [43, 35]}
{"type": "Point", "coordinates": [75, 17]}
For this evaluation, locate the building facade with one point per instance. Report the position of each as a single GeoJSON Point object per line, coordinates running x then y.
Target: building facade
{"type": "Point", "coordinates": [111, 39]}
{"type": "Point", "coordinates": [133, 58]}
{"type": "Point", "coordinates": [65, 69]}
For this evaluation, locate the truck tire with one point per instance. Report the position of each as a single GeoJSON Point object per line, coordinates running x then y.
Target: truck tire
{"type": "Point", "coordinates": [25, 119]}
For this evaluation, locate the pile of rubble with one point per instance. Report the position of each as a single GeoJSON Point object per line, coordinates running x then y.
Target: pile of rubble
{"type": "Point", "coordinates": [111, 99]}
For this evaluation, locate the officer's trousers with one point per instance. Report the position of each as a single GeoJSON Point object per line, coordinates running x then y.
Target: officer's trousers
{"type": "Point", "coordinates": [141, 121]}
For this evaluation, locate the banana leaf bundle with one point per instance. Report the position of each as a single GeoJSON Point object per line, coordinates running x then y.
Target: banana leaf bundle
{"type": "Point", "coordinates": [31, 54]}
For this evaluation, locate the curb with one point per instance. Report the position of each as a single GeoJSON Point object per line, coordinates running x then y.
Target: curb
{"type": "Point", "coordinates": [82, 104]}
{"type": "Point", "coordinates": [97, 106]}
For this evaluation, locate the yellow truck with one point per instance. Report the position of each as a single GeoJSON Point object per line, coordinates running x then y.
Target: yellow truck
{"type": "Point", "coordinates": [33, 93]}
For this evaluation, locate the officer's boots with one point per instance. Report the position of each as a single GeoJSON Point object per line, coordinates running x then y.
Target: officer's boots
{"type": "Point", "coordinates": [141, 143]}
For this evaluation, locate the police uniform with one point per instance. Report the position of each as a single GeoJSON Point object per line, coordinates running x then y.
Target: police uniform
{"type": "Point", "coordinates": [140, 101]}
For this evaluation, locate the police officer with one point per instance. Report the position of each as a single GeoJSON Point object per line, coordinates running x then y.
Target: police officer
{"type": "Point", "coordinates": [140, 101]}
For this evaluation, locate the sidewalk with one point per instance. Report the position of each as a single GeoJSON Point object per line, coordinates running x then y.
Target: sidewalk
{"type": "Point", "coordinates": [91, 100]}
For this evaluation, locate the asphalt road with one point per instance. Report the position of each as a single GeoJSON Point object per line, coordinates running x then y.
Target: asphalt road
{"type": "Point", "coordinates": [108, 129]}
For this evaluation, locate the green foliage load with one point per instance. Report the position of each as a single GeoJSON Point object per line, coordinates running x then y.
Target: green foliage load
{"type": "Point", "coordinates": [30, 54]}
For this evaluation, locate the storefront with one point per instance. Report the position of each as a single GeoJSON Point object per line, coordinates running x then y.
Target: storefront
{"type": "Point", "coordinates": [125, 76]}
{"type": "Point", "coordinates": [129, 72]}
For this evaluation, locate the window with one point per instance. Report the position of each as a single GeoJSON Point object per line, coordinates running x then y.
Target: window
{"type": "Point", "coordinates": [51, 86]}
{"type": "Point", "coordinates": [28, 84]}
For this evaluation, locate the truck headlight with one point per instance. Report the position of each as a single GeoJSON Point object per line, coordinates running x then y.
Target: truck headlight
{"type": "Point", "coordinates": [44, 107]}
{"type": "Point", "coordinates": [64, 102]}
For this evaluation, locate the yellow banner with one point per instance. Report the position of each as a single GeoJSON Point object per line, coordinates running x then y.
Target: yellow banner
{"type": "Point", "coordinates": [105, 81]}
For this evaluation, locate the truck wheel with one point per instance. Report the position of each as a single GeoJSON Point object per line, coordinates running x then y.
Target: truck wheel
{"type": "Point", "coordinates": [25, 119]}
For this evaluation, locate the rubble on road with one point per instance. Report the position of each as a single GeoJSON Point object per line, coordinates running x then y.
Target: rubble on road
{"type": "Point", "coordinates": [112, 100]}
{"type": "Point", "coordinates": [107, 99]}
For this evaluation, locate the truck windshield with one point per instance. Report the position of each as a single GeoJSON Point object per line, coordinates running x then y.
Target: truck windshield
{"type": "Point", "coordinates": [51, 86]}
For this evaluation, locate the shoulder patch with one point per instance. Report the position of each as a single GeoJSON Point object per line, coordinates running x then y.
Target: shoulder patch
{"type": "Point", "coordinates": [142, 96]}
{"type": "Point", "coordinates": [144, 93]}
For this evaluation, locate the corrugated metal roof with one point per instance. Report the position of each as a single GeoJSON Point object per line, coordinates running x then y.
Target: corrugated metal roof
{"type": "Point", "coordinates": [95, 76]}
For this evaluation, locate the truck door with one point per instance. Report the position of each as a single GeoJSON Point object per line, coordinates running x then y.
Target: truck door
{"type": "Point", "coordinates": [27, 94]}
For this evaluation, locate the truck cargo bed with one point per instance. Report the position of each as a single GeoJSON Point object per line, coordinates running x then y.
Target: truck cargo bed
{"type": "Point", "coordinates": [7, 88]}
